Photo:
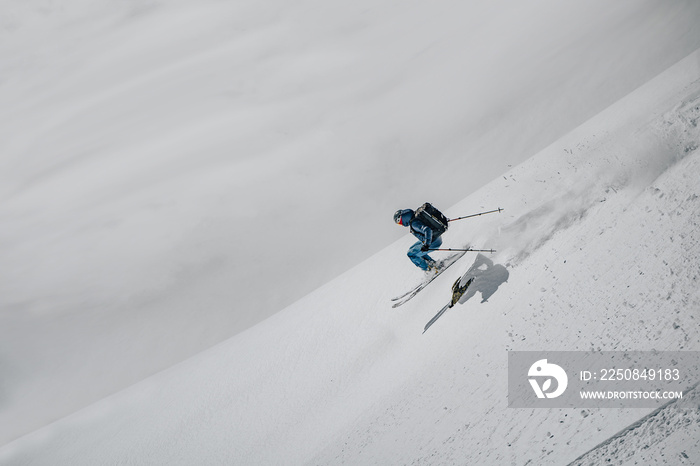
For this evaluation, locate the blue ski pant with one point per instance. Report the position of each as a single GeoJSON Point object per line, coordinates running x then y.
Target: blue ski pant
{"type": "Point", "coordinates": [421, 258]}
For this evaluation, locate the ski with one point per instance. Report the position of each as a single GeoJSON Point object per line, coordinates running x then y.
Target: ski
{"type": "Point", "coordinates": [437, 316]}
{"type": "Point", "coordinates": [457, 293]}
{"type": "Point", "coordinates": [404, 298]}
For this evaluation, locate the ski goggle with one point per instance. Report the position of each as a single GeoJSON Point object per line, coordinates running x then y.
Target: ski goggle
{"type": "Point", "coordinates": [397, 218]}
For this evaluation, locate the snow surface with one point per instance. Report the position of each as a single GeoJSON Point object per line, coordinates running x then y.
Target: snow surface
{"type": "Point", "coordinates": [669, 435]}
{"type": "Point", "coordinates": [161, 161]}
{"type": "Point", "coordinates": [601, 242]}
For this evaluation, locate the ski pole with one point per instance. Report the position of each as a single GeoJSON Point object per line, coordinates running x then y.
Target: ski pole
{"type": "Point", "coordinates": [465, 250]}
{"type": "Point", "coordinates": [476, 215]}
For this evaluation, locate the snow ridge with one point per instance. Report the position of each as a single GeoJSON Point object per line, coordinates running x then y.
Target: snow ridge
{"type": "Point", "coordinates": [646, 441]}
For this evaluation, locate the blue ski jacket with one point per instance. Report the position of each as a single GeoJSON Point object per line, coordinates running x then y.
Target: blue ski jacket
{"type": "Point", "coordinates": [419, 229]}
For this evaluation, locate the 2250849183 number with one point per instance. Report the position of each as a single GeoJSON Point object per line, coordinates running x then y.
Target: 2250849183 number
{"type": "Point", "coordinates": [640, 374]}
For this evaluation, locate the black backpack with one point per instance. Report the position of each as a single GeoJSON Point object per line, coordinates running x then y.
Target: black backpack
{"type": "Point", "coordinates": [432, 217]}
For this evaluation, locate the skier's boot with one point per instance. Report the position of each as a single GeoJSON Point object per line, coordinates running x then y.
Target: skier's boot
{"type": "Point", "coordinates": [433, 267]}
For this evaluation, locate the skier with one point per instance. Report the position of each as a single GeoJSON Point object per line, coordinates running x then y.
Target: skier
{"type": "Point", "coordinates": [427, 236]}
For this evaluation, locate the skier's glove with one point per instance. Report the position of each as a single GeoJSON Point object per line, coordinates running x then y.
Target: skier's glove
{"type": "Point", "coordinates": [424, 248]}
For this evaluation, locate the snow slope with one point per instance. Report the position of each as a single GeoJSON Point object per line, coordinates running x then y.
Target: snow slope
{"type": "Point", "coordinates": [602, 249]}
{"type": "Point", "coordinates": [142, 140]}
{"type": "Point", "coordinates": [669, 435]}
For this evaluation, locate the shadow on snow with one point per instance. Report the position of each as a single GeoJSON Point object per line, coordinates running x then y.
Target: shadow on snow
{"type": "Point", "coordinates": [487, 278]}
